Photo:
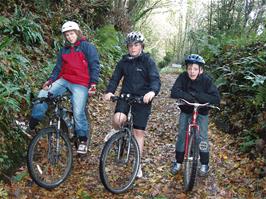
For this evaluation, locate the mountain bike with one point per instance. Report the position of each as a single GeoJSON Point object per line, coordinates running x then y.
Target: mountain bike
{"type": "Point", "coordinates": [50, 156]}
{"type": "Point", "coordinates": [120, 157]}
{"type": "Point", "coordinates": [191, 148]}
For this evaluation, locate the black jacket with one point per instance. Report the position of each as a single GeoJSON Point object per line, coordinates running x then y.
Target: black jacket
{"type": "Point", "coordinates": [140, 76]}
{"type": "Point", "coordinates": [201, 90]}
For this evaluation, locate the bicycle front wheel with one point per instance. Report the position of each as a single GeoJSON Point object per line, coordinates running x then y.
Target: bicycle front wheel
{"type": "Point", "coordinates": [119, 162]}
{"type": "Point", "coordinates": [49, 158]}
{"type": "Point", "coordinates": [191, 161]}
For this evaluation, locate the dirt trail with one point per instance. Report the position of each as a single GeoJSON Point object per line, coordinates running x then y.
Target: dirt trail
{"type": "Point", "coordinates": [228, 177]}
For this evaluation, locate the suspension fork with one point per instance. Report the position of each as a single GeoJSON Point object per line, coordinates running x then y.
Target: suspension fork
{"type": "Point", "coordinates": [123, 143]}
{"type": "Point", "coordinates": [54, 154]}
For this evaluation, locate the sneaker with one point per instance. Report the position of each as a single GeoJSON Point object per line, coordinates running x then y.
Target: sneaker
{"type": "Point", "coordinates": [30, 133]}
{"type": "Point", "coordinates": [204, 169]}
{"type": "Point", "coordinates": [176, 168]}
{"type": "Point", "coordinates": [82, 147]}
{"type": "Point", "coordinates": [112, 132]}
{"type": "Point", "coordinates": [140, 174]}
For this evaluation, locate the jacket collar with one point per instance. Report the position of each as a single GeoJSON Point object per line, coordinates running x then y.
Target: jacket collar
{"type": "Point", "coordinates": [77, 43]}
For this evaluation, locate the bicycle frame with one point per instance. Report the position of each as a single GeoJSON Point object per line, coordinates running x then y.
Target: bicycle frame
{"type": "Point", "coordinates": [58, 114]}
{"type": "Point", "coordinates": [127, 127]}
{"type": "Point", "coordinates": [192, 124]}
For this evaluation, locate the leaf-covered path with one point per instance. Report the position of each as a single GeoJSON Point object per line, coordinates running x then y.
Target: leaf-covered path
{"type": "Point", "coordinates": [232, 175]}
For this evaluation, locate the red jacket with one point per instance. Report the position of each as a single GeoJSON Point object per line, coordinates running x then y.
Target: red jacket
{"type": "Point", "coordinates": [78, 64]}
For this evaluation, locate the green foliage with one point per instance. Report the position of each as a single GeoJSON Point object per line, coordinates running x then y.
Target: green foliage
{"type": "Point", "coordinates": [19, 176]}
{"type": "Point", "coordinates": [248, 141]}
{"type": "Point", "coordinates": [166, 60]}
{"type": "Point", "coordinates": [238, 67]}
{"type": "Point", "coordinates": [110, 45]}
{"type": "Point", "coordinates": [23, 26]}
{"type": "Point", "coordinates": [3, 192]}
{"type": "Point", "coordinates": [260, 98]}
{"type": "Point", "coordinates": [171, 70]}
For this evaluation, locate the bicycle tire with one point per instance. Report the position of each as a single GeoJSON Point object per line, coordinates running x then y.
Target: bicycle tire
{"type": "Point", "coordinates": [42, 158]}
{"type": "Point", "coordinates": [90, 128]}
{"type": "Point", "coordinates": [191, 162]}
{"type": "Point", "coordinates": [110, 175]}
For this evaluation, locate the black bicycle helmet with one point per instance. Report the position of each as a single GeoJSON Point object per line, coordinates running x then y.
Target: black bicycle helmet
{"type": "Point", "coordinates": [194, 59]}
{"type": "Point", "coordinates": [134, 37]}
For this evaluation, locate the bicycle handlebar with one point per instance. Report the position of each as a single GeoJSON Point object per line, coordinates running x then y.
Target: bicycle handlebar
{"type": "Point", "coordinates": [51, 98]}
{"type": "Point", "coordinates": [195, 104]}
{"type": "Point", "coordinates": [128, 98]}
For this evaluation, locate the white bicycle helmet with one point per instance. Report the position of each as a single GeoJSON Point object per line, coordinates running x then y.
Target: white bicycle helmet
{"type": "Point", "coordinates": [70, 25]}
{"type": "Point", "coordinates": [134, 37]}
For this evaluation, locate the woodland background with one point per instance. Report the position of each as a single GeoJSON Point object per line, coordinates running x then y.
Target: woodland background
{"type": "Point", "coordinates": [229, 34]}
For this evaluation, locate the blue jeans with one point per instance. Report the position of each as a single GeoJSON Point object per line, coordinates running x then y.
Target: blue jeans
{"type": "Point", "coordinates": [202, 121]}
{"type": "Point", "coordinates": [79, 100]}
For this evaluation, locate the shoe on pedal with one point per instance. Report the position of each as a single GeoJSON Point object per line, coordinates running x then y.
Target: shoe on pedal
{"type": "Point", "coordinates": [204, 169]}
{"type": "Point", "coordinates": [176, 167]}
{"type": "Point", "coordinates": [112, 132]}
{"type": "Point", "coordinates": [25, 129]}
{"type": "Point", "coordinates": [82, 147]}
{"type": "Point", "coordinates": [140, 174]}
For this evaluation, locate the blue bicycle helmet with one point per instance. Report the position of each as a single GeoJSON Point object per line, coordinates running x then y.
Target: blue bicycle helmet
{"type": "Point", "coordinates": [194, 59]}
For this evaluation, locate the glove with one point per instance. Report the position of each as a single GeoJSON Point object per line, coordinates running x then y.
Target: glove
{"type": "Point", "coordinates": [92, 89]}
{"type": "Point", "coordinates": [47, 84]}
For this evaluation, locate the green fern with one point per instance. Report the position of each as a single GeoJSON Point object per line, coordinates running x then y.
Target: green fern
{"type": "Point", "coordinates": [23, 27]}
{"type": "Point", "coordinates": [260, 98]}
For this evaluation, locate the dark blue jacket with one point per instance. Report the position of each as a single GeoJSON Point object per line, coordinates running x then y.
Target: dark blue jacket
{"type": "Point", "coordinates": [201, 90]}
{"type": "Point", "coordinates": [140, 76]}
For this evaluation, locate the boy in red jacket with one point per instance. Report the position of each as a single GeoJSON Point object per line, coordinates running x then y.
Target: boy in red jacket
{"type": "Point", "coordinates": [76, 70]}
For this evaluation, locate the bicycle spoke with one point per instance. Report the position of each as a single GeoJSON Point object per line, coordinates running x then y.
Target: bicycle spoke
{"type": "Point", "coordinates": [119, 163]}
{"type": "Point", "coordinates": [49, 159]}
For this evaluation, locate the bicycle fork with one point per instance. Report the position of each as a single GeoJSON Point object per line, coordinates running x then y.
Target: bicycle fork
{"type": "Point", "coordinates": [121, 147]}
{"type": "Point", "coordinates": [54, 152]}
{"type": "Point", "coordinates": [193, 124]}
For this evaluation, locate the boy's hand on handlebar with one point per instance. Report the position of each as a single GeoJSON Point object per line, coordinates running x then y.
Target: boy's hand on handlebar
{"type": "Point", "coordinates": [148, 97]}
{"type": "Point", "coordinates": [92, 89]}
{"type": "Point", "coordinates": [107, 97]}
{"type": "Point", "coordinates": [47, 85]}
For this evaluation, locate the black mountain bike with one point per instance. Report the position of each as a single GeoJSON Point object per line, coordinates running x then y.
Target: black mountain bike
{"type": "Point", "coordinates": [50, 156]}
{"type": "Point", "coordinates": [120, 157]}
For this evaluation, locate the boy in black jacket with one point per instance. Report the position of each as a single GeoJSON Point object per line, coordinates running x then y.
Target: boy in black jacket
{"type": "Point", "coordinates": [140, 78]}
{"type": "Point", "coordinates": [194, 86]}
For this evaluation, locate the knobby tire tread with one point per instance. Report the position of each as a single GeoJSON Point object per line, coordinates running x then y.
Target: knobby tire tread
{"type": "Point", "coordinates": [32, 145]}
{"type": "Point", "coordinates": [103, 157]}
{"type": "Point", "coordinates": [189, 179]}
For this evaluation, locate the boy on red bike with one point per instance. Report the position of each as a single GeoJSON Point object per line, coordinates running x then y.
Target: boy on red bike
{"type": "Point", "coordinates": [194, 85]}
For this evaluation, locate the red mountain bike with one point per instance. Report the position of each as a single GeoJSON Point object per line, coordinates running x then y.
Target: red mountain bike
{"type": "Point", "coordinates": [192, 141]}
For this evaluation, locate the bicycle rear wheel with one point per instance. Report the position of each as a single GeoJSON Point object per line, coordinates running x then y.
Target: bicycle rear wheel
{"type": "Point", "coordinates": [119, 162]}
{"type": "Point", "coordinates": [49, 158]}
{"type": "Point", "coordinates": [191, 161]}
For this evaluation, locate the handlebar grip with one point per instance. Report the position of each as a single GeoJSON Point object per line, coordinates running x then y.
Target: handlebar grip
{"type": "Point", "coordinates": [114, 98]}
